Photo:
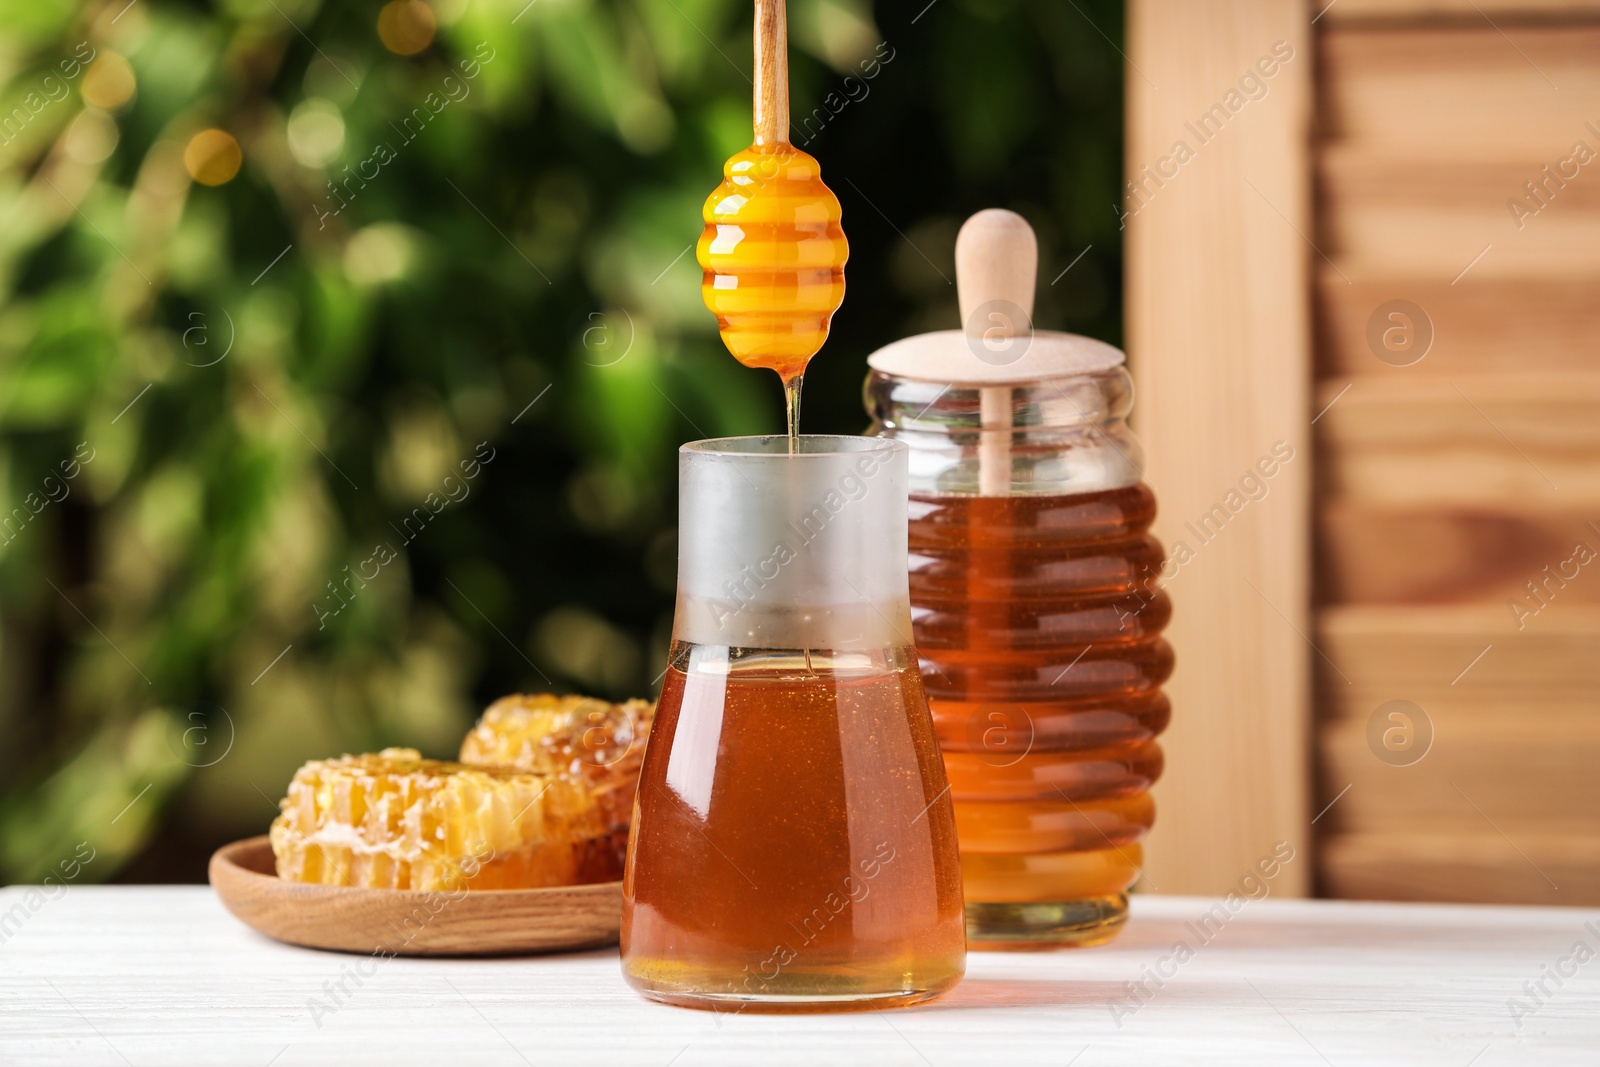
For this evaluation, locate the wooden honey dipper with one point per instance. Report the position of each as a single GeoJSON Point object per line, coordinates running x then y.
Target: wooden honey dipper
{"type": "Point", "coordinates": [772, 249]}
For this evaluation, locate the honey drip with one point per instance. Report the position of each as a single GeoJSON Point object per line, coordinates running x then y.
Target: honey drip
{"type": "Point", "coordinates": [772, 249]}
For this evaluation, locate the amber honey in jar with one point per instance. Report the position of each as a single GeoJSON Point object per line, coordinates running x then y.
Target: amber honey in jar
{"type": "Point", "coordinates": [1035, 598]}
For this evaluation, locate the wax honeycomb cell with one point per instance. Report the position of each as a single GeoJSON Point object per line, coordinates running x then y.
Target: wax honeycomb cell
{"type": "Point", "coordinates": [397, 821]}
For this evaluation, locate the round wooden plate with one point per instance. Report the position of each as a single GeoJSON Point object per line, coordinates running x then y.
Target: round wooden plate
{"type": "Point", "coordinates": [404, 922]}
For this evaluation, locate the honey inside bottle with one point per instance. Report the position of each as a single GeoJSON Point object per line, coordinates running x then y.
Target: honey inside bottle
{"type": "Point", "coordinates": [1039, 629]}
{"type": "Point", "coordinates": [775, 861]}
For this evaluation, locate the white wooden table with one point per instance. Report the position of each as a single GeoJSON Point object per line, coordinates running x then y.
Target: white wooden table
{"type": "Point", "coordinates": [161, 975]}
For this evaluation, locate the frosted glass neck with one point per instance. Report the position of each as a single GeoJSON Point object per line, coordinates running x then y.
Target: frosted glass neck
{"type": "Point", "coordinates": [798, 551]}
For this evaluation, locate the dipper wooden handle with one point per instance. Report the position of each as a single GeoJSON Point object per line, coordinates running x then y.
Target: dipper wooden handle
{"type": "Point", "coordinates": [772, 73]}
{"type": "Point", "coordinates": [997, 259]}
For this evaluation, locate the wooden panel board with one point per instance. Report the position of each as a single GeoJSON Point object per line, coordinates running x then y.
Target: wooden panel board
{"type": "Point", "coordinates": [1481, 867]}
{"type": "Point", "coordinates": [1459, 94]}
{"type": "Point", "coordinates": [1429, 654]}
{"type": "Point", "coordinates": [1505, 13]}
{"type": "Point", "coordinates": [1513, 714]}
{"type": "Point", "coordinates": [1450, 484]}
{"type": "Point", "coordinates": [1483, 323]}
{"type": "Point", "coordinates": [1422, 441]}
{"type": "Point", "coordinates": [1528, 771]}
{"type": "Point", "coordinates": [1433, 218]}
{"type": "Point", "coordinates": [1218, 289]}
{"type": "Point", "coordinates": [1375, 555]}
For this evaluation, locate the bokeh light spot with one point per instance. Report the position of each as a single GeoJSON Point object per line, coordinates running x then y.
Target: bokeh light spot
{"type": "Point", "coordinates": [92, 137]}
{"type": "Point", "coordinates": [645, 123]}
{"type": "Point", "coordinates": [212, 157]}
{"type": "Point", "coordinates": [406, 27]}
{"type": "Point", "coordinates": [109, 82]}
{"type": "Point", "coordinates": [379, 253]}
{"type": "Point", "coordinates": [316, 132]}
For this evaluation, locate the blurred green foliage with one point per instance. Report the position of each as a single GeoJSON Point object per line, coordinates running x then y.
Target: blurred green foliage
{"type": "Point", "coordinates": [221, 408]}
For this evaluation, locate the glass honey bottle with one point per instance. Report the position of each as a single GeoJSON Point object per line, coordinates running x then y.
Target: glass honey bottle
{"type": "Point", "coordinates": [793, 846]}
{"type": "Point", "coordinates": [1035, 598]}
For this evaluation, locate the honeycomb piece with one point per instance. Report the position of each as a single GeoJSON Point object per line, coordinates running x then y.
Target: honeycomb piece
{"type": "Point", "coordinates": [547, 734]}
{"type": "Point", "coordinates": [592, 741]}
{"type": "Point", "coordinates": [397, 821]}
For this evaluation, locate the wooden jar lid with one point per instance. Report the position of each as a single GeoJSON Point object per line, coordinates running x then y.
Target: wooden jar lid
{"type": "Point", "coordinates": [952, 356]}
{"type": "Point", "coordinates": [997, 259]}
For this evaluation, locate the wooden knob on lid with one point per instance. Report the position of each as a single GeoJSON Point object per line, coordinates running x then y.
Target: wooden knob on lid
{"type": "Point", "coordinates": [997, 260]}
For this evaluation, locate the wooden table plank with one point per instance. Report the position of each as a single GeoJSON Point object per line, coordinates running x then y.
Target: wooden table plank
{"type": "Point", "coordinates": [161, 974]}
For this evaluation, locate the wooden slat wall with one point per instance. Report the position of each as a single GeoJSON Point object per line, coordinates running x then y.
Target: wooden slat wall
{"type": "Point", "coordinates": [1218, 337]}
{"type": "Point", "coordinates": [1444, 487]}
{"type": "Point", "coordinates": [1436, 11]}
